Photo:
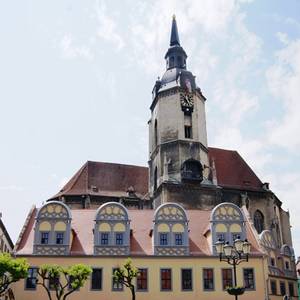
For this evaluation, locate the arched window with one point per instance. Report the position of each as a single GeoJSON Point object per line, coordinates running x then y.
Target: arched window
{"type": "Point", "coordinates": [155, 179]}
{"type": "Point", "coordinates": [155, 134]}
{"type": "Point", "coordinates": [52, 229]}
{"type": "Point", "coordinates": [192, 170]}
{"type": "Point", "coordinates": [259, 222]}
{"type": "Point", "coordinates": [112, 230]}
{"type": "Point", "coordinates": [179, 61]}
{"type": "Point", "coordinates": [171, 62]}
{"type": "Point", "coordinates": [227, 223]}
{"type": "Point", "coordinates": [170, 234]}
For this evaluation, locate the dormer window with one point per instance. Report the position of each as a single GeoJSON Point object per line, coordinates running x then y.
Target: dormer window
{"type": "Point", "coordinates": [104, 238]}
{"type": "Point", "coordinates": [178, 239]}
{"type": "Point", "coordinates": [119, 238]}
{"type": "Point", "coordinates": [59, 238]}
{"type": "Point", "coordinates": [112, 230]}
{"type": "Point", "coordinates": [170, 233]}
{"type": "Point", "coordinates": [52, 229]}
{"type": "Point", "coordinates": [163, 239]}
{"type": "Point", "coordinates": [227, 224]}
{"type": "Point", "coordinates": [44, 238]}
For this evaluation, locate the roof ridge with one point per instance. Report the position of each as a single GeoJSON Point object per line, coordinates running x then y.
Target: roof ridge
{"type": "Point", "coordinates": [116, 164]}
{"type": "Point", "coordinates": [24, 228]}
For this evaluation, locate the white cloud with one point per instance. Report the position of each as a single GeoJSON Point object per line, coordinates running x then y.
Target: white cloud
{"type": "Point", "coordinates": [107, 26]}
{"type": "Point", "coordinates": [283, 80]}
{"type": "Point", "coordinates": [71, 51]}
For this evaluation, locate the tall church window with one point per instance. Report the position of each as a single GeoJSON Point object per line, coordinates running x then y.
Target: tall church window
{"type": "Point", "coordinates": [155, 179]}
{"type": "Point", "coordinates": [155, 134]}
{"type": "Point", "coordinates": [188, 133]}
{"type": "Point", "coordinates": [259, 221]}
{"type": "Point", "coordinates": [171, 63]}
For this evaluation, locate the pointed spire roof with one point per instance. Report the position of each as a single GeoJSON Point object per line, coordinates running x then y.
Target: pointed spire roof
{"type": "Point", "coordinates": [174, 33]}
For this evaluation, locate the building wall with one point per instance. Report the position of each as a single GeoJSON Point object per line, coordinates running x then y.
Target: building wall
{"type": "Point", "coordinates": [5, 244]}
{"type": "Point", "coordinates": [154, 264]}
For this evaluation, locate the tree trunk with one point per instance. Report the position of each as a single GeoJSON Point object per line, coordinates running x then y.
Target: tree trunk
{"type": "Point", "coordinates": [132, 292]}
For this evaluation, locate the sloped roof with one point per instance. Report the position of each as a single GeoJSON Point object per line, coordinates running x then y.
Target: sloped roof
{"type": "Point", "coordinates": [233, 171]}
{"type": "Point", "coordinates": [140, 240]}
{"type": "Point", "coordinates": [114, 180]}
{"type": "Point", "coordinates": [107, 179]}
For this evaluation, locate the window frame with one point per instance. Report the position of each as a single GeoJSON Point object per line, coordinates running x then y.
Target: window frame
{"type": "Point", "coordinates": [161, 280]}
{"type": "Point", "coordinates": [175, 234]}
{"type": "Point", "coordinates": [100, 238]}
{"type": "Point", "coordinates": [116, 239]}
{"type": "Point", "coordinates": [223, 278]}
{"type": "Point", "coordinates": [191, 279]}
{"type": "Point", "coordinates": [282, 284]}
{"type": "Point", "coordinates": [25, 279]}
{"type": "Point", "coordinates": [63, 237]}
{"type": "Point", "coordinates": [147, 281]}
{"type": "Point", "coordinates": [275, 287]}
{"type": "Point", "coordinates": [213, 280]}
{"type": "Point", "coordinates": [188, 132]}
{"type": "Point", "coordinates": [160, 239]}
{"type": "Point", "coordinates": [101, 281]}
{"type": "Point", "coordinates": [121, 289]}
{"type": "Point", "coordinates": [254, 282]}
{"type": "Point", "coordinates": [41, 237]}
{"type": "Point", "coordinates": [291, 284]}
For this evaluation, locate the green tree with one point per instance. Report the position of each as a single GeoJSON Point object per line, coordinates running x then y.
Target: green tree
{"type": "Point", "coordinates": [11, 270]}
{"type": "Point", "coordinates": [62, 281]}
{"type": "Point", "coordinates": [125, 275]}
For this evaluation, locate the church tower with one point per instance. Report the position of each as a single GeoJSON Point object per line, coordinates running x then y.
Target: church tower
{"type": "Point", "coordinates": [178, 153]}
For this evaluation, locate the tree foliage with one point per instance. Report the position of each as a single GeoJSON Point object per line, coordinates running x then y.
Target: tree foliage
{"type": "Point", "coordinates": [11, 270]}
{"type": "Point", "coordinates": [126, 275]}
{"type": "Point", "coordinates": [63, 280]}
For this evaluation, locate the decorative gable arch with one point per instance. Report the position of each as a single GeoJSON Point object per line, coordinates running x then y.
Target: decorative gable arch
{"type": "Point", "coordinates": [170, 230]}
{"type": "Point", "coordinates": [227, 223]}
{"type": "Point", "coordinates": [112, 230]}
{"type": "Point", "coordinates": [52, 229]}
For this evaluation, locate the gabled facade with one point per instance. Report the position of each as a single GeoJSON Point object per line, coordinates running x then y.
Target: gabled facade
{"type": "Point", "coordinates": [6, 244]}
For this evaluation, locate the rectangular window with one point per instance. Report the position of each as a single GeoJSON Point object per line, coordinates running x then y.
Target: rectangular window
{"type": "Point", "coordinates": [282, 288]}
{"type": "Point", "coordinates": [287, 265]}
{"type": "Point", "coordinates": [163, 239]}
{"type": "Point", "coordinates": [208, 279]}
{"type": "Point", "coordinates": [116, 285]}
{"type": "Point", "coordinates": [188, 132]}
{"type": "Point", "coordinates": [119, 238]}
{"type": "Point", "coordinates": [142, 280]}
{"type": "Point", "coordinates": [53, 283]}
{"type": "Point", "coordinates": [178, 239]}
{"type": "Point", "coordinates": [30, 283]}
{"type": "Point", "coordinates": [272, 261]}
{"type": "Point", "coordinates": [186, 280]}
{"type": "Point", "coordinates": [221, 237]}
{"type": "Point", "coordinates": [227, 278]}
{"type": "Point", "coordinates": [166, 279]}
{"type": "Point", "coordinates": [291, 289]}
{"type": "Point", "coordinates": [104, 238]}
{"type": "Point", "coordinates": [273, 287]}
{"type": "Point", "coordinates": [59, 238]}
{"type": "Point", "coordinates": [44, 238]}
{"type": "Point", "coordinates": [96, 280]}
{"type": "Point", "coordinates": [235, 236]}
{"type": "Point", "coordinates": [249, 279]}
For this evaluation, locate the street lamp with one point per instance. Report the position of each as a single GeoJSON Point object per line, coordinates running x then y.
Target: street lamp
{"type": "Point", "coordinates": [234, 255]}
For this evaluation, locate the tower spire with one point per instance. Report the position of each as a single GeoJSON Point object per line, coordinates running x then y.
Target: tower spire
{"type": "Point", "coordinates": [174, 33]}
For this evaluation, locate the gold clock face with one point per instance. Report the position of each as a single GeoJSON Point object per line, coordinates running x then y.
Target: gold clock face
{"type": "Point", "coordinates": [187, 99]}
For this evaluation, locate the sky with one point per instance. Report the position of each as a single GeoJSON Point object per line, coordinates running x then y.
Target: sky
{"type": "Point", "coordinates": [76, 80]}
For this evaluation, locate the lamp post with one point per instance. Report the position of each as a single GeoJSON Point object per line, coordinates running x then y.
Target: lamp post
{"type": "Point", "coordinates": [233, 255]}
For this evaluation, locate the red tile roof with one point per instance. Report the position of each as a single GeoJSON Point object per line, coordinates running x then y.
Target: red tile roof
{"type": "Point", "coordinates": [107, 179]}
{"type": "Point", "coordinates": [233, 171]}
{"type": "Point", "coordinates": [114, 180]}
{"type": "Point", "coordinates": [140, 240]}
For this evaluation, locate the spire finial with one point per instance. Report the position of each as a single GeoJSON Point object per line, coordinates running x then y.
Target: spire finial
{"type": "Point", "coordinates": [174, 33]}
